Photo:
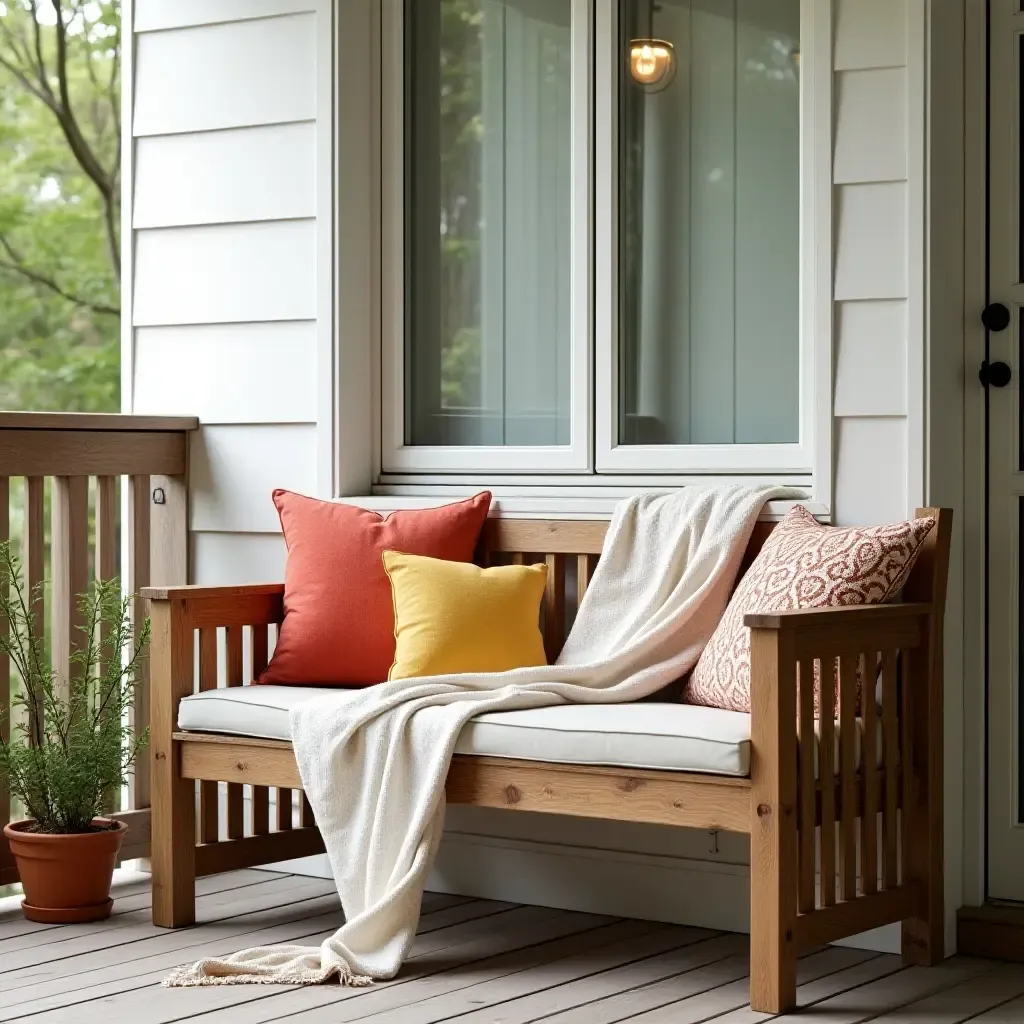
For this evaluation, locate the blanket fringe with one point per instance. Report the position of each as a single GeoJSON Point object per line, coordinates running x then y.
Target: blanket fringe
{"type": "Point", "coordinates": [220, 972]}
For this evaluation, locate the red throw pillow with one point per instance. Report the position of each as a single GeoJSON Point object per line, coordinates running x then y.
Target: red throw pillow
{"type": "Point", "coordinates": [339, 622]}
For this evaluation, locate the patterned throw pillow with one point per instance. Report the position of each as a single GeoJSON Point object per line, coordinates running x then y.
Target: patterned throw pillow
{"type": "Point", "coordinates": [802, 565]}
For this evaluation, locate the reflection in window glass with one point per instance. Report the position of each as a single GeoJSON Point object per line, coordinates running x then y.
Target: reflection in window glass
{"type": "Point", "coordinates": [487, 214]}
{"type": "Point", "coordinates": [709, 223]}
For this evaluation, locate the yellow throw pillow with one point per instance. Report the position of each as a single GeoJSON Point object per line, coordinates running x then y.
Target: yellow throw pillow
{"type": "Point", "coordinates": [456, 617]}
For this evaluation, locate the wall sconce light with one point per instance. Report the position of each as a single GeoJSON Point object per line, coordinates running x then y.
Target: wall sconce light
{"type": "Point", "coordinates": [652, 63]}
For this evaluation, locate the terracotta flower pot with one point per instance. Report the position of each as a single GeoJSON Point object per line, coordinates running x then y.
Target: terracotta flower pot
{"type": "Point", "coordinates": [66, 878]}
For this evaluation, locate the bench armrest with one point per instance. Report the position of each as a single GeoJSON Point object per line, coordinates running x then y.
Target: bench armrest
{"type": "Point", "coordinates": [199, 593]}
{"type": "Point", "coordinates": [258, 604]}
{"type": "Point", "coordinates": [849, 630]}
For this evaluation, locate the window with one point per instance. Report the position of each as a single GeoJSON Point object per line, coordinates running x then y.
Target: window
{"type": "Point", "coordinates": [590, 274]}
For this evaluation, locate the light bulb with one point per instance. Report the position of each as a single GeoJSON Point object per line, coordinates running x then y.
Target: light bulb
{"type": "Point", "coordinates": [652, 63]}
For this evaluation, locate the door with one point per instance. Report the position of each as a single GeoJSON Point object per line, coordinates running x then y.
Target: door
{"type": "Point", "coordinates": [1001, 376]}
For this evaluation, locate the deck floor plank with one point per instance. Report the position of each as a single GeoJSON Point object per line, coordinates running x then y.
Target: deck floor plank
{"type": "Point", "coordinates": [246, 1003]}
{"type": "Point", "coordinates": [137, 925]}
{"type": "Point", "coordinates": [473, 962]}
{"type": "Point", "coordinates": [106, 974]}
{"type": "Point", "coordinates": [134, 896]}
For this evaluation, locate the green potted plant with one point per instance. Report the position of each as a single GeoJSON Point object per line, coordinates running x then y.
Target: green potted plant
{"type": "Point", "coordinates": [69, 750]}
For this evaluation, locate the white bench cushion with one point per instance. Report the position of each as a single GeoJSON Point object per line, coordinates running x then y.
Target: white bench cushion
{"type": "Point", "coordinates": [672, 737]}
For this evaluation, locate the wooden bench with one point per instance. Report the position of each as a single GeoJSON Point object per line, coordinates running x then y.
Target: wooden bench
{"type": "Point", "coordinates": [831, 857]}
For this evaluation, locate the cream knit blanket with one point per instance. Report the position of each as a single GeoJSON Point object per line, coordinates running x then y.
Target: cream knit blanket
{"type": "Point", "coordinates": [374, 768]}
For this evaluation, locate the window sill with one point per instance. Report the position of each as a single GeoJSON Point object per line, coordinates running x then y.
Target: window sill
{"type": "Point", "coordinates": [526, 503]}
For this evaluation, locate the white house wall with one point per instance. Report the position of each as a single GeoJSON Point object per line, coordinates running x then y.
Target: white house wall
{"type": "Point", "coordinates": [225, 285]}
{"type": "Point", "coordinates": [230, 305]}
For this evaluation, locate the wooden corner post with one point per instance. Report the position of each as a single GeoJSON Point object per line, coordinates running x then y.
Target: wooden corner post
{"type": "Point", "coordinates": [173, 808]}
{"type": "Point", "coordinates": [773, 835]}
{"type": "Point", "coordinates": [922, 707]}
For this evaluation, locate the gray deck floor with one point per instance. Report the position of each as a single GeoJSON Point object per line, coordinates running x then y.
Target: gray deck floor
{"type": "Point", "coordinates": [474, 962]}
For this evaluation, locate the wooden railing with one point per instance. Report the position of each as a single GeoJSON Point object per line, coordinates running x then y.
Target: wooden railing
{"type": "Point", "coordinates": [116, 487]}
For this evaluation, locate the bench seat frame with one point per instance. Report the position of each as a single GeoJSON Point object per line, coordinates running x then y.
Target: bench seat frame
{"type": "Point", "coordinates": [830, 857]}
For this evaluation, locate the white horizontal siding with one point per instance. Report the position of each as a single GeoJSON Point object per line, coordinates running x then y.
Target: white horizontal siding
{"type": "Point", "coordinates": [871, 126]}
{"type": "Point", "coordinates": [228, 373]}
{"type": "Point", "coordinates": [871, 241]}
{"type": "Point", "coordinates": [226, 75]}
{"type": "Point", "coordinates": [871, 358]}
{"type": "Point", "coordinates": [869, 33]}
{"type": "Point", "coordinates": [871, 469]}
{"type": "Point", "coordinates": [152, 15]}
{"type": "Point", "coordinates": [234, 470]}
{"type": "Point", "coordinates": [226, 274]}
{"type": "Point", "coordinates": [232, 559]}
{"type": "Point", "coordinates": [242, 174]}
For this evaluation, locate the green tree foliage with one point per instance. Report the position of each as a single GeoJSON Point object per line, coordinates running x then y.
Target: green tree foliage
{"type": "Point", "coordinates": [60, 100]}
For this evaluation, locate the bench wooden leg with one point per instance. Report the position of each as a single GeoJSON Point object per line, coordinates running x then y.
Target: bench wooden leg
{"type": "Point", "coordinates": [773, 833]}
{"type": "Point", "coordinates": [922, 837]}
{"type": "Point", "coordinates": [173, 812]}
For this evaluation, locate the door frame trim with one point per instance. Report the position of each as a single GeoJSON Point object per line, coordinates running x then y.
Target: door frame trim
{"type": "Point", "coordinates": [975, 281]}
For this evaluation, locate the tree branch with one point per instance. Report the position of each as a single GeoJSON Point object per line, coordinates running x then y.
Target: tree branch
{"type": "Point", "coordinates": [15, 264]}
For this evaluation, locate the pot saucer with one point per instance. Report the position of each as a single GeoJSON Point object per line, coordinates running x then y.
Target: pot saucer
{"type": "Point", "coordinates": [67, 915]}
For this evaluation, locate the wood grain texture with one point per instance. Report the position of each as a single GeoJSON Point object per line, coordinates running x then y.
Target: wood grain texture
{"type": "Point", "coordinates": [923, 936]}
{"type": "Point", "coordinates": [869, 777]}
{"type": "Point", "coordinates": [890, 747]}
{"type": "Point", "coordinates": [209, 796]}
{"type": "Point", "coordinates": [259, 798]}
{"type": "Point", "coordinates": [995, 932]}
{"type": "Point", "coordinates": [90, 453]}
{"type": "Point", "coordinates": [34, 551]}
{"type": "Point", "coordinates": [173, 814]}
{"type": "Point", "coordinates": [849, 740]}
{"type": "Point", "coordinates": [6, 859]}
{"type": "Point", "coordinates": [69, 571]}
{"type": "Point", "coordinates": [773, 835]}
{"type": "Point", "coordinates": [261, 848]}
{"type": "Point", "coordinates": [169, 530]}
{"type": "Point", "coordinates": [552, 536]}
{"type": "Point", "coordinates": [139, 566]}
{"type": "Point", "coordinates": [826, 776]}
{"type": "Point", "coordinates": [808, 808]}
{"type": "Point", "coordinates": [667, 798]}
{"type": "Point", "coordinates": [554, 606]}
{"type": "Point", "coordinates": [93, 421]}
{"type": "Point", "coordinates": [235, 824]}
{"type": "Point", "coordinates": [856, 916]}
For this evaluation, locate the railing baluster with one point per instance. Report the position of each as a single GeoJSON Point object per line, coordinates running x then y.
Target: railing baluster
{"type": "Point", "coordinates": [68, 449]}
{"type": "Point", "coordinates": [807, 867]}
{"type": "Point", "coordinates": [139, 577]}
{"type": "Point", "coordinates": [6, 860]}
{"type": "Point", "coordinates": [208, 824]}
{"type": "Point", "coordinates": [848, 774]}
{"type": "Point", "coordinates": [106, 569]}
{"type": "Point", "coordinates": [890, 745]}
{"type": "Point", "coordinates": [69, 571]}
{"type": "Point", "coordinates": [869, 773]}
{"type": "Point", "coordinates": [826, 777]}
{"type": "Point", "coordinates": [236, 803]}
{"type": "Point", "coordinates": [34, 567]}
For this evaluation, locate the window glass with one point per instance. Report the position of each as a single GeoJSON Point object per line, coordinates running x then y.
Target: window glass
{"type": "Point", "coordinates": [709, 220]}
{"type": "Point", "coordinates": [487, 222]}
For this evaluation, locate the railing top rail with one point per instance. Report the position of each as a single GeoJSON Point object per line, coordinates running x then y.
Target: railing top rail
{"type": "Point", "coordinates": [75, 421]}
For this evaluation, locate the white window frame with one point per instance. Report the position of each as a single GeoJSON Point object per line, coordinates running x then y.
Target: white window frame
{"type": "Point", "coordinates": [594, 458]}
{"type": "Point", "coordinates": [396, 456]}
